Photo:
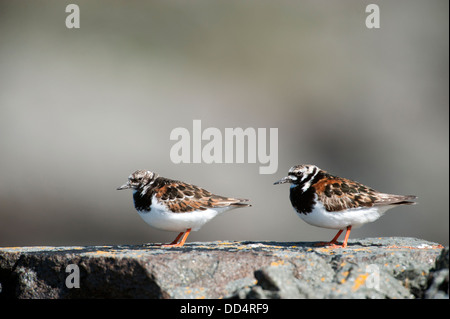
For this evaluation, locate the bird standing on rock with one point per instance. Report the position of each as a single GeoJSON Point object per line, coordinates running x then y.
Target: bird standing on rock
{"type": "Point", "coordinates": [176, 206]}
{"type": "Point", "coordinates": [328, 201]}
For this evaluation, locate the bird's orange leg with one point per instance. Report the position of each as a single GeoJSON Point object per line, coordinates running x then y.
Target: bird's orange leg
{"type": "Point", "coordinates": [176, 239]}
{"type": "Point", "coordinates": [347, 234]}
{"type": "Point", "coordinates": [332, 242]}
{"type": "Point", "coordinates": [186, 234]}
{"type": "Point", "coordinates": [181, 243]}
{"type": "Point", "coordinates": [344, 244]}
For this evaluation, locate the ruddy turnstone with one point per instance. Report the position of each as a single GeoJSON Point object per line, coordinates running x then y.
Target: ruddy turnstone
{"type": "Point", "coordinates": [176, 206]}
{"type": "Point", "coordinates": [328, 201]}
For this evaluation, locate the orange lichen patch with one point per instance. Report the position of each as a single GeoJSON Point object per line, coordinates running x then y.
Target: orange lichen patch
{"type": "Point", "coordinates": [102, 253]}
{"type": "Point", "coordinates": [361, 279]}
{"type": "Point", "coordinates": [419, 247]}
{"type": "Point", "coordinates": [198, 293]}
{"type": "Point", "coordinates": [11, 248]}
{"type": "Point", "coordinates": [345, 274]}
{"type": "Point", "coordinates": [277, 263]}
{"type": "Point", "coordinates": [204, 247]}
{"type": "Point", "coordinates": [225, 243]}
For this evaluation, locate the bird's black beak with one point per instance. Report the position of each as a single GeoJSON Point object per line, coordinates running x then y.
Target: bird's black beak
{"type": "Point", "coordinates": [286, 179]}
{"type": "Point", "coordinates": [124, 186]}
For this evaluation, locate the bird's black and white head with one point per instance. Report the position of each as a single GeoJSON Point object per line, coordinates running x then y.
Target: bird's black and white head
{"type": "Point", "coordinates": [139, 180]}
{"type": "Point", "coordinates": [300, 175]}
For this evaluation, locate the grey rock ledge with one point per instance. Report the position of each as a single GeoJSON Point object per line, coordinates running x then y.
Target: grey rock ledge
{"type": "Point", "coordinates": [367, 268]}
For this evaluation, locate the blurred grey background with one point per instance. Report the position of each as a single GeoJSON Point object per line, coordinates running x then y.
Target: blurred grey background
{"type": "Point", "coordinates": [80, 109]}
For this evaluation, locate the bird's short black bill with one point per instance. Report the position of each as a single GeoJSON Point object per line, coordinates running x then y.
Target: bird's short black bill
{"type": "Point", "coordinates": [286, 179]}
{"type": "Point", "coordinates": [124, 186]}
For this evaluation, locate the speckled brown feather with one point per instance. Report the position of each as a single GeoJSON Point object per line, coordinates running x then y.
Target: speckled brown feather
{"type": "Point", "coordinates": [178, 197]}
{"type": "Point", "coordinates": [181, 197]}
{"type": "Point", "coordinates": [337, 194]}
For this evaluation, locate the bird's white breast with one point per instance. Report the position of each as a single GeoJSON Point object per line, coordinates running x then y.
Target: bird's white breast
{"type": "Point", "coordinates": [355, 217]}
{"type": "Point", "coordinates": [162, 218]}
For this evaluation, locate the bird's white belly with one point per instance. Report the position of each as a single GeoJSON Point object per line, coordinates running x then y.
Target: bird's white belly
{"type": "Point", "coordinates": [161, 218]}
{"type": "Point", "coordinates": [356, 217]}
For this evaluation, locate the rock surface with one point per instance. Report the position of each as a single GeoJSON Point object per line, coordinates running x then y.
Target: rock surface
{"type": "Point", "coordinates": [367, 268]}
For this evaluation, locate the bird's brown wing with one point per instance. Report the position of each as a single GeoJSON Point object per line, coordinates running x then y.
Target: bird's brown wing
{"type": "Point", "coordinates": [182, 197]}
{"type": "Point", "coordinates": [339, 194]}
